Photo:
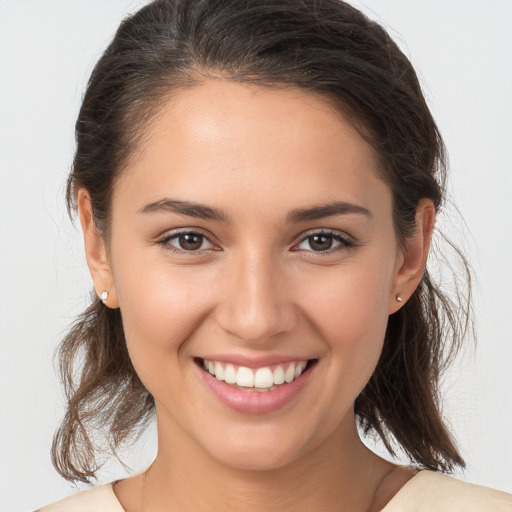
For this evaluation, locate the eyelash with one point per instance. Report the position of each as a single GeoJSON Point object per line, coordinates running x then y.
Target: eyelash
{"type": "Point", "coordinates": [344, 242]}
{"type": "Point", "coordinates": [165, 241]}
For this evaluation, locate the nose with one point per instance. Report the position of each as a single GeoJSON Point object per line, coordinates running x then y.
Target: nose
{"type": "Point", "coordinates": [257, 304]}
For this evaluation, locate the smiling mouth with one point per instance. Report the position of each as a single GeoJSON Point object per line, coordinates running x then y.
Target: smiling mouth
{"type": "Point", "coordinates": [262, 380]}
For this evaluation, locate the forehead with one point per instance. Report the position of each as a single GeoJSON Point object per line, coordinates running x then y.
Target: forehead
{"type": "Point", "coordinates": [222, 141]}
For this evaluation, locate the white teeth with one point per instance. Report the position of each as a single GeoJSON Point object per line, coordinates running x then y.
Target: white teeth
{"type": "Point", "coordinates": [219, 371]}
{"type": "Point", "coordinates": [230, 374]}
{"type": "Point", "coordinates": [279, 375]}
{"type": "Point", "coordinates": [262, 379]}
{"type": "Point", "coordinates": [289, 374]}
{"type": "Point", "coordinates": [245, 377]}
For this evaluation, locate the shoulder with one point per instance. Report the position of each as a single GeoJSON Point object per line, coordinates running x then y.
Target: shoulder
{"type": "Point", "coordinates": [429, 492]}
{"type": "Point", "coordinates": [98, 499]}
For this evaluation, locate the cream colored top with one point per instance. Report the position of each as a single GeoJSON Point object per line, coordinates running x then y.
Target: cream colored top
{"type": "Point", "coordinates": [425, 492]}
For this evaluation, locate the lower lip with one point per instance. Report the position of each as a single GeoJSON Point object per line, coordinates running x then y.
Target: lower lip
{"type": "Point", "coordinates": [254, 402]}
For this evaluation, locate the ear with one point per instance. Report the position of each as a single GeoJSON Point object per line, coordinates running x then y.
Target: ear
{"type": "Point", "coordinates": [96, 251]}
{"type": "Point", "coordinates": [411, 264]}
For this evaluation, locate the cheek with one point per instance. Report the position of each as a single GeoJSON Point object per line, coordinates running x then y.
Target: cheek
{"type": "Point", "coordinates": [350, 311]}
{"type": "Point", "coordinates": [350, 300]}
{"type": "Point", "coordinates": [160, 310]}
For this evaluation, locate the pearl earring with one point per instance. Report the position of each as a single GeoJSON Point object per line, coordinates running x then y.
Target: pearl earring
{"type": "Point", "coordinates": [104, 297]}
{"type": "Point", "coordinates": [398, 298]}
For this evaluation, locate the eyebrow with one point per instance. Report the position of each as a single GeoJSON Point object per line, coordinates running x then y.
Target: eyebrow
{"type": "Point", "coordinates": [185, 208]}
{"type": "Point", "coordinates": [295, 216]}
{"type": "Point", "coordinates": [326, 210]}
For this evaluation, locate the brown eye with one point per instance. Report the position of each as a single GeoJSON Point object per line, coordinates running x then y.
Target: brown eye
{"type": "Point", "coordinates": [190, 241]}
{"type": "Point", "coordinates": [320, 242]}
{"type": "Point", "coordinates": [324, 242]}
{"type": "Point", "coordinates": [187, 241]}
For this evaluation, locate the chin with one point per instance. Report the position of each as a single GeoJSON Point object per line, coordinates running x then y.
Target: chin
{"type": "Point", "coordinates": [258, 449]}
{"type": "Point", "coordinates": [257, 459]}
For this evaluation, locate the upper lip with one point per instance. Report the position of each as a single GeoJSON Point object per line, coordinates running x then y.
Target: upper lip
{"type": "Point", "coordinates": [255, 361]}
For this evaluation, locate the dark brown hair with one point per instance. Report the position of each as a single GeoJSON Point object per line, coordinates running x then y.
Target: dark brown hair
{"type": "Point", "coordinates": [328, 48]}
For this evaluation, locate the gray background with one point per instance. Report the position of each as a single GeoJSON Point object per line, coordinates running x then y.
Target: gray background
{"type": "Point", "coordinates": [461, 49]}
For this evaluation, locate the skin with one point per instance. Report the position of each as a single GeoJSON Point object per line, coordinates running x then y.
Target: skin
{"type": "Point", "coordinates": [255, 286]}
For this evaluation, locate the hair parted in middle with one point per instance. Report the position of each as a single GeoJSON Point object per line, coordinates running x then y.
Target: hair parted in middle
{"type": "Point", "coordinates": [324, 47]}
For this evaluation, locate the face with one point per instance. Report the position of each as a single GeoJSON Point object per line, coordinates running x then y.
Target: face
{"type": "Point", "coordinates": [252, 240]}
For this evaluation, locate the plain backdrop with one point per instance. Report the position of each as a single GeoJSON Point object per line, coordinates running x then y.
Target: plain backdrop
{"type": "Point", "coordinates": [461, 50]}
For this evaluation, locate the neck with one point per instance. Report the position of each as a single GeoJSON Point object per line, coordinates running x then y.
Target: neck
{"type": "Point", "coordinates": [339, 474]}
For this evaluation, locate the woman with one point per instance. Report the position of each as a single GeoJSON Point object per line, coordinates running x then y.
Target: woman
{"type": "Point", "coordinates": [257, 183]}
